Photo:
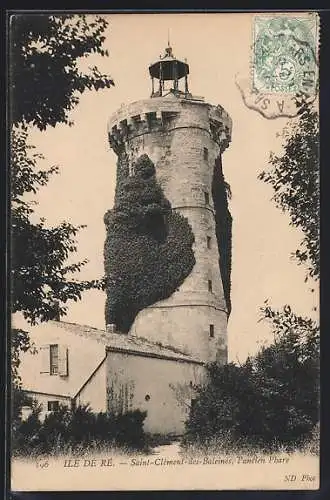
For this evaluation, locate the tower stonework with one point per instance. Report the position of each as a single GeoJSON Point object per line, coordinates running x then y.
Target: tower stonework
{"type": "Point", "coordinates": [184, 137]}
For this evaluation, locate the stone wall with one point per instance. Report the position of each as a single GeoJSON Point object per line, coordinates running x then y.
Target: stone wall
{"type": "Point", "coordinates": [165, 396]}
{"type": "Point", "coordinates": [93, 392]}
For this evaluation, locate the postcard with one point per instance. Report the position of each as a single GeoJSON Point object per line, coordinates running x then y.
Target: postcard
{"type": "Point", "coordinates": [165, 251]}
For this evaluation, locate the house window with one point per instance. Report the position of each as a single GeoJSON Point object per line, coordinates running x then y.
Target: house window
{"type": "Point", "coordinates": [209, 284]}
{"type": "Point", "coordinates": [208, 241]}
{"type": "Point", "coordinates": [207, 198]}
{"type": "Point", "coordinates": [151, 118]}
{"type": "Point", "coordinates": [211, 331]}
{"type": "Point", "coordinates": [53, 358]}
{"type": "Point", "coordinates": [26, 412]}
{"type": "Point", "coordinates": [53, 405]}
{"type": "Point", "coordinates": [206, 154]}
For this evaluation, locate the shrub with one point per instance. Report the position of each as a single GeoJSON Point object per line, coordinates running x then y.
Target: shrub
{"type": "Point", "coordinates": [19, 399]}
{"type": "Point", "coordinates": [222, 406]}
{"type": "Point", "coordinates": [270, 401]}
{"type": "Point", "coordinates": [25, 433]}
{"type": "Point", "coordinates": [148, 249]}
{"type": "Point", "coordinates": [77, 428]}
{"type": "Point", "coordinates": [129, 428]}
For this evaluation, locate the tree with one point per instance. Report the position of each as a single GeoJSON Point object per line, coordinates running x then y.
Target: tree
{"type": "Point", "coordinates": [42, 282]}
{"type": "Point", "coordinates": [45, 80]}
{"type": "Point", "coordinates": [273, 398]}
{"type": "Point", "coordinates": [222, 405]}
{"type": "Point", "coordinates": [289, 368]}
{"type": "Point", "coordinates": [295, 180]}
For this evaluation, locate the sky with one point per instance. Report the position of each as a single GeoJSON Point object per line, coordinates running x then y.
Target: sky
{"type": "Point", "coordinates": [217, 48]}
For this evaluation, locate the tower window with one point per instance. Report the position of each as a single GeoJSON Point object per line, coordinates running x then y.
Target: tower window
{"type": "Point", "coordinates": [207, 198]}
{"type": "Point", "coordinates": [211, 331]}
{"type": "Point", "coordinates": [208, 241]}
{"type": "Point", "coordinates": [209, 284]}
{"type": "Point", "coordinates": [206, 153]}
{"type": "Point", "coordinates": [53, 359]}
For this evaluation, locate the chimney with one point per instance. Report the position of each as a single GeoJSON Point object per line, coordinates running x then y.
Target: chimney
{"type": "Point", "coordinates": [56, 316]}
{"type": "Point", "coordinates": [111, 328]}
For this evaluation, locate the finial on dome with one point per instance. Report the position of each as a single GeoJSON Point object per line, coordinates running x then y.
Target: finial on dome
{"type": "Point", "coordinates": [168, 50]}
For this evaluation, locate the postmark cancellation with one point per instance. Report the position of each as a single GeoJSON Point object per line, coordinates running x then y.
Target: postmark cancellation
{"type": "Point", "coordinates": [284, 63]}
{"type": "Point", "coordinates": [285, 54]}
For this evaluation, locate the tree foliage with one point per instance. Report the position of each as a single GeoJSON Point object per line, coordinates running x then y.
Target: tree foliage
{"type": "Point", "coordinates": [45, 82]}
{"type": "Point", "coordinates": [269, 401]}
{"type": "Point", "coordinates": [148, 250]}
{"type": "Point", "coordinates": [45, 75]}
{"type": "Point", "coordinates": [273, 398]}
{"type": "Point", "coordinates": [295, 180]}
{"type": "Point", "coordinates": [77, 428]}
{"type": "Point", "coordinates": [20, 342]}
{"type": "Point", "coordinates": [41, 278]}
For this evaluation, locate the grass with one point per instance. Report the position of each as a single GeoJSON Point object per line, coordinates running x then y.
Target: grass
{"type": "Point", "coordinates": [93, 448]}
{"type": "Point", "coordinates": [153, 440]}
{"type": "Point", "coordinates": [97, 447]}
{"type": "Point", "coordinates": [223, 444]}
{"type": "Point", "coordinates": [227, 445]}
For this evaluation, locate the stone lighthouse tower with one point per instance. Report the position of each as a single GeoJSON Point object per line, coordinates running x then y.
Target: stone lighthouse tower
{"type": "Point", "coordinates": [184, 136]}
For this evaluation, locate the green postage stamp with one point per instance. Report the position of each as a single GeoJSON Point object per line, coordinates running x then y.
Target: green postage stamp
{"type": "Point", "coordinates": [285, 54]}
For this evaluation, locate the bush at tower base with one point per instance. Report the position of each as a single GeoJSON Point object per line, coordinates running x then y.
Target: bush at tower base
{"type": "Point", "coordinates": [271, 401]}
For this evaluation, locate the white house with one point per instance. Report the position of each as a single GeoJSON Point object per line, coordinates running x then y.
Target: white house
{"type": "Point", "coordinates": [77, 364]}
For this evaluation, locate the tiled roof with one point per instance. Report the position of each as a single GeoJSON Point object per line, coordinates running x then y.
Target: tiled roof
{"type": "Point", "coordinates": [124, 342]}
{"type": "Point", "coordinates": [84, 357]}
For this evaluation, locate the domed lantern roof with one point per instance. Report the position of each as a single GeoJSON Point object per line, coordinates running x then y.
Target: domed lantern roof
{"type": "Point", "coordinates": [169, 68]}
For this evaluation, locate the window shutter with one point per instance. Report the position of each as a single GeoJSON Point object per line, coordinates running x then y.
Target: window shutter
{"type": "Point", "coordinates": [63, 360]}
{"type": "Point", "coordinates": [44, 359]}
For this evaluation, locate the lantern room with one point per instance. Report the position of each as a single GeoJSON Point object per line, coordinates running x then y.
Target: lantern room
{"type": "Point", "coordinates": [169, 72]}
